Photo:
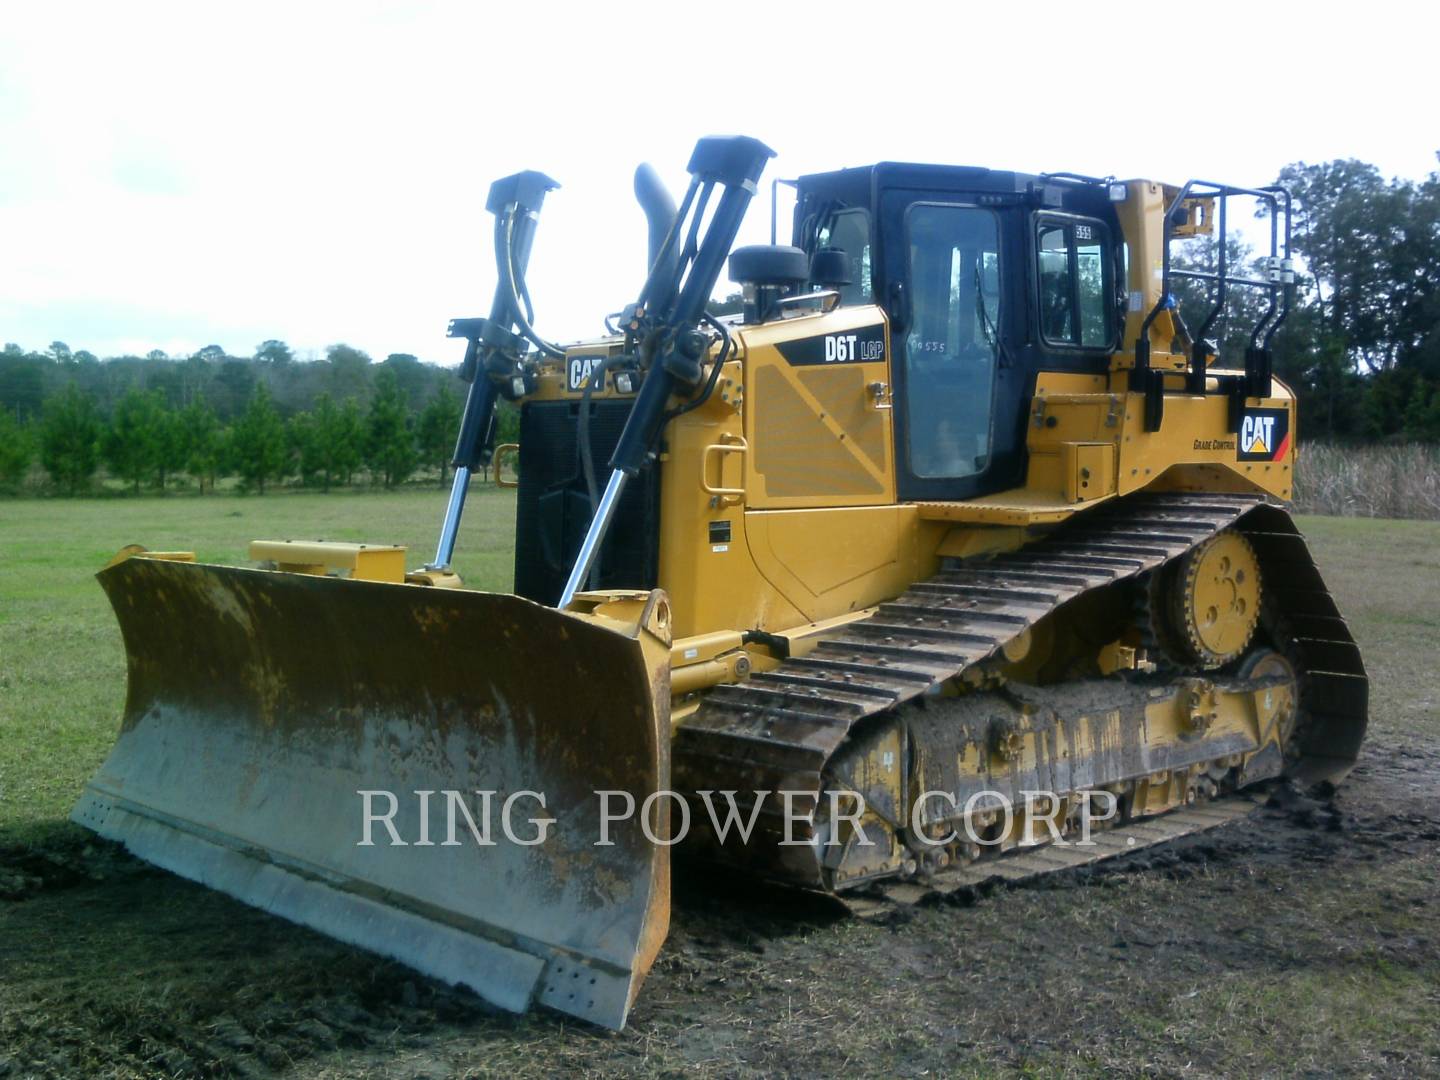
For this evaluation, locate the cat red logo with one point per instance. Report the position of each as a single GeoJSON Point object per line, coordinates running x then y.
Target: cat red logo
{"type": "Point", "coordinates": [1264, 435]}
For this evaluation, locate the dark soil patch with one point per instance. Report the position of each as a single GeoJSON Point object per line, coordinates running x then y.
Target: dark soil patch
{"type": "Point", "coordinates": [1220, 953]}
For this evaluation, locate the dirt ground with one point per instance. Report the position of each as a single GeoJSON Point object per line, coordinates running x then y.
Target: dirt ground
{"type": "Point", "coordinates": [1303, 941]}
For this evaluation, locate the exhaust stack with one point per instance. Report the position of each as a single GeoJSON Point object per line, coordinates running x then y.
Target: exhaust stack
{"type": "Point", "coordinates": [660, 212]}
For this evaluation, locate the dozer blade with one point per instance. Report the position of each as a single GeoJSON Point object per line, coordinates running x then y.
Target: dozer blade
{"type": "Point", "coordinates": [261, 705]}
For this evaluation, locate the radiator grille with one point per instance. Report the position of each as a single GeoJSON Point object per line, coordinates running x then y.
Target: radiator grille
{"type": "Point", "coordinates": [553, 509]}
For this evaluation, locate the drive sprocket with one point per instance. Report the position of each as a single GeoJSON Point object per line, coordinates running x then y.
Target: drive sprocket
{"type": "Point", "coordinates": [1202, 608]}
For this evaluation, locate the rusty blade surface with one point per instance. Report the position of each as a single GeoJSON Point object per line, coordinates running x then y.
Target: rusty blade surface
{"type": "Point", "coordinates": [261, 704]}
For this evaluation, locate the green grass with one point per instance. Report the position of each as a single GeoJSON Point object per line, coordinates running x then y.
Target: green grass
{"type": "Point", "coordinates": [1385, 575]}
{"type": "Point", "coordinates": [62, 666]}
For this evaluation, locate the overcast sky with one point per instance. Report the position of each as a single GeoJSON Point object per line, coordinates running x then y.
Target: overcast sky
{"type": "Point", "coordinates": [175, 175]}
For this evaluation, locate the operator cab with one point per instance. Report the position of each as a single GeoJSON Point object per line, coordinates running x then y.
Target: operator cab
{"type": "Point", "coordinates": [988, 278]}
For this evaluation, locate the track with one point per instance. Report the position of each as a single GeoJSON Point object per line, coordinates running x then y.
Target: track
{"type": "Point", "coordinates": [886, 897]}
{"type": "Point", "coordinates": [778, 731]}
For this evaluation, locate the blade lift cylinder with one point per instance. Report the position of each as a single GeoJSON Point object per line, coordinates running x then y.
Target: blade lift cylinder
{"type": "Point", "coordinates": [492, 345]}
{"type": "Point", "coordinates": [734, 164]}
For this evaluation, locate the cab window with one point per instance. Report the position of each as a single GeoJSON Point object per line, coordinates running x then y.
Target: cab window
{"type": "Point", "coordinates": [951, 344]}
{"type": "Point", "coordinates": [1074, 283]}
{"type": "Point", "coordinates": [849, 230]}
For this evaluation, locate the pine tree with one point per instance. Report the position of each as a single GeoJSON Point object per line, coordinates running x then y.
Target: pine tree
{"type": "Point", "coordinates": [350, 438]}
{"type": "Point", "coordinates": [202, 441]}
{"type": "Point", "coordinates": [131, 445]}
{"type": "Point", "coordinates": [257, 442]}
{"type": "Point", "coordinates": [300, 433]}
{"type": "Point", "coordinates": [69, 438]}
{"type": "Point", "coordinates": [390, 439]}
{"type": "Point", "coordinates": [328, 440]}
{"type": "Point", "coordinates": [436, 430]}
{"type": "Point", "coordinates": [16, 451]}
{"type": "Point", "coordinates": [170, 444]}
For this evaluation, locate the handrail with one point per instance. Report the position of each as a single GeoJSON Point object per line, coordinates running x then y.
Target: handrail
{"type": "Point", "coordinates": [736, 445]}
{"type": "Point", "coordinates": [1277, 283]}
{"type": "Point", "coordinates": [497, 462]}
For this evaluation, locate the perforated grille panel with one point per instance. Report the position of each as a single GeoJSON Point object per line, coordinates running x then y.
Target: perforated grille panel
{"type": "Point", "coordinates": [796, 452]}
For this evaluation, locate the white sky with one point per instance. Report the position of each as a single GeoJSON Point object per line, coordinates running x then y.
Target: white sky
{"type": "Point", "coordinates": [176, 175]}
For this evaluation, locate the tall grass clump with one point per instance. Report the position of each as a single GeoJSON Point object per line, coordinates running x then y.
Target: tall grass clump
{"type": "Point", "coordinates": [1401, 481]}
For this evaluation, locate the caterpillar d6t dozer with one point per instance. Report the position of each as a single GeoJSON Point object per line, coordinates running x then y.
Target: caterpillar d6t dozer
{"type": "Point", "coordinates": [957, 519]}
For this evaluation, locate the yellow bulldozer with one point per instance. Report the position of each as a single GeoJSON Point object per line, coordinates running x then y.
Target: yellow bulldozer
{"type": "Point", "coordinates": [957, 517]}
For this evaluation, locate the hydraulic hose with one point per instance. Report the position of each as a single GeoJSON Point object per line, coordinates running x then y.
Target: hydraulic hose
{"type": "Point", "coordinates": [505, 263]}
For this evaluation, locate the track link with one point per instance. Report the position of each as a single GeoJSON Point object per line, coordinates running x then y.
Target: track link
{"type": "Point", "coordinates": [885, 898]}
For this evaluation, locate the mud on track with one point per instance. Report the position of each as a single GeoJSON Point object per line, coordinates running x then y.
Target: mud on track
{"type": "Point", "coordinates": [1308, 941]}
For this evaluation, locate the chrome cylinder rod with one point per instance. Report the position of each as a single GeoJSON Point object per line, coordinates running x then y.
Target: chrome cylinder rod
{"type": "Point", "coordinates": [446, 549]}
{"type": "Point", "coordinates": [593, 538]}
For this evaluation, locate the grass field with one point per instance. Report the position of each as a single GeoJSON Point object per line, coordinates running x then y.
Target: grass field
{"type": "Point", "coordinates": [1286, 949]}
{"type": "Point", "coordinates": [62, 668]}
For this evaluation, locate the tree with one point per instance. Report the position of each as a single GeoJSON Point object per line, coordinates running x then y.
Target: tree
{"type": "Point", "coordinates": [22, 384]}
{"type": "Point", "coordinates": [507, 430]}
{"type": "Point", "coordinates": [69, 438]}
{"type": "Point", "coordinates": [1371, 249]}
{"type": "Point", "coordinates": [233, 386]}
{"type": "Point", "coordinates": [202, 442]}
{"type": "Point", "coordinates": [196, 377]}
{"type": "Point", "coordinates": [1422, 418]}
{"type": "Point", "coordinates": [352, 438]}
{"type": "Point", "coordinates": [1316, 364]}
{"type": "Point", "coordinates": [156, 354]}
{"type": "Point", "coordinates": [348, 369]}
{"type": "Point", "coordinates": [732, 304]}
{"type": "Point", "coordinates": [411, 375]}
{"type": "Point", "coordinates": [257, 443]}
{"type": "Point", "coordinates": [390, 440]}
{"type": "Point", "coordinates": [59, 351]}
{"type": "Point", "coordinates": [169, 381]}
{"type": "Point", "coordinates": [436, 430]}
{"type": "Point", "coordinates": [274, 352]}
{"type": "Point", "coordinates": [300, 436]}
{"type": "Point", "coordinates": [1244, 306]}
{"type": "Point", "coordinates": [171, 448]}
{"type": "Point", "coordinates": [507, 423]}
{"type": "Point", "coordinates": [131, 444]}
{"type": "Point", "coordinates": [16, 451]}
{"type": "Point", "coordinates": [329, 440]}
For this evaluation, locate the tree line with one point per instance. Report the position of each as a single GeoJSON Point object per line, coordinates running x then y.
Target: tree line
{"type": "Point", "coordinates": [395, 418]}
{"type": "Point", "coordinates": [1361, 348]}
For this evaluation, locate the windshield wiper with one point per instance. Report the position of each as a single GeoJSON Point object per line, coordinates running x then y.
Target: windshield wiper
{"type": "Point", "coordinates": [987, 327]}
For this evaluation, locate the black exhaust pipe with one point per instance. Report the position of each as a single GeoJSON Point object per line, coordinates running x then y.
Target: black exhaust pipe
{"type": "Point", "coordinates": [660, 213]}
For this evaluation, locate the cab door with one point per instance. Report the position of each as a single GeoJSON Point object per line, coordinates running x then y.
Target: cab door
{"type": "Point", "coordinates": [949, 271]}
